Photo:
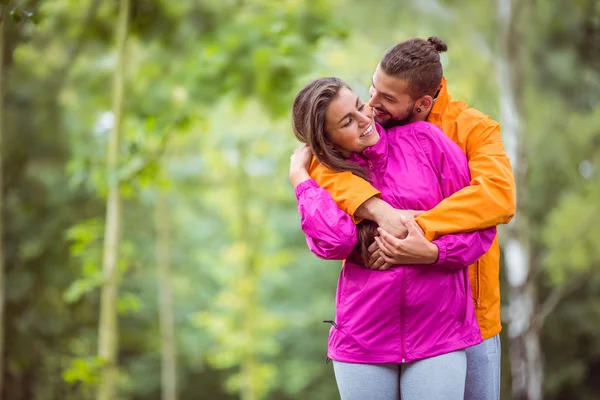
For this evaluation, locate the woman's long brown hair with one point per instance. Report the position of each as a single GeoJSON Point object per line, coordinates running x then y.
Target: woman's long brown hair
{"type": "Point", "coordinates": [308, 121]}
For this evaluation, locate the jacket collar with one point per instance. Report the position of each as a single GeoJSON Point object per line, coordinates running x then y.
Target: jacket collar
{"type": "Point", "coordinates": [441, 102]}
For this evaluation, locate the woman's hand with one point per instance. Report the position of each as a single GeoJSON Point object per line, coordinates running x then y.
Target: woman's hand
{"type": "Point", "coordinates": [299, 163]}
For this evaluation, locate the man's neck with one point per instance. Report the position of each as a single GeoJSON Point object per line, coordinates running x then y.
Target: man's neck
{"type": "Point", "coordinates": [422, 116]}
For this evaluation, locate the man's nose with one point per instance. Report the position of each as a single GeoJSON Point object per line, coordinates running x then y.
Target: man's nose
{"type": "Point", "coordinates": [372, 91]}
{"type": "Point", "coordinates": [374, 100]}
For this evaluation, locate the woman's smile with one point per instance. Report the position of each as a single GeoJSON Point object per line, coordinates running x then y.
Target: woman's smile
{"type": "Point", "coordinates": [367, 132]}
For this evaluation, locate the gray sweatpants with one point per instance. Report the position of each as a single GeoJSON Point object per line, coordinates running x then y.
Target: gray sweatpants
{"type": "Point", "coordinates": [483, 370]}
{"type": "Point", "coordinates": [435, 378]}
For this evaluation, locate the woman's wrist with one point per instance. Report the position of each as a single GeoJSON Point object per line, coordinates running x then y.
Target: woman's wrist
{"type": "Point", "coordinates": [299, 176]}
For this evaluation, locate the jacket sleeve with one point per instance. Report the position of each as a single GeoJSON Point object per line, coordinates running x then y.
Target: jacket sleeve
{"type": "Point", "coordinates": [456, 250]}
{"type": "Point", "coordinates": [347, 190]}
{"type": "Point", "coordinates": [330, 232]}
{"type": "Point", "coordinates": [488, 200]}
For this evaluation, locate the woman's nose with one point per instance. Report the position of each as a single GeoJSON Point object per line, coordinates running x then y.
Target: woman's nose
{"type": "Point", "coordinates": [366, 115]}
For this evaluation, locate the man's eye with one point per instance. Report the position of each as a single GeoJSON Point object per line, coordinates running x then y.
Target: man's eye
{"type": "Point", "coordinates": [361, 107]}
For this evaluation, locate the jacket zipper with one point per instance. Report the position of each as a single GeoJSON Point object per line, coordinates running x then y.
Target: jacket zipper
{"type": "Point", "coordinates": [477, 285]}
{"type": "Point", "coordinates": [402, 289]}
{"type": "Point", "coordinates": [402, 351]}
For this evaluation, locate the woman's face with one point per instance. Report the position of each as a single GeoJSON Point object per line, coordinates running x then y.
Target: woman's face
{"type": "Point", "coordinates": [349, 123]}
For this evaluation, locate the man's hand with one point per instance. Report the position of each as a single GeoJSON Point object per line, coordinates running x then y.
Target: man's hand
{"type": "Point", "coordinates": [376, 260]}
{"type": "Point", "coordinates": [391, 221]}
{"type": "Point", "coordinates": [387, 217]}
{"type": "Point", "coordinates": [299, 163]}
{"type": "Point", "coordinates": [413, 249]}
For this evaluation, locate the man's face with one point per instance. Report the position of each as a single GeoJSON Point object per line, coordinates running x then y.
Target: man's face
{"type": "Point", "coordinates": [392, 105]}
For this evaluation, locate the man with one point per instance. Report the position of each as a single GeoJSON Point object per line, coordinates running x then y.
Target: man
{"type": "Point", "coordinates": [408, 86]}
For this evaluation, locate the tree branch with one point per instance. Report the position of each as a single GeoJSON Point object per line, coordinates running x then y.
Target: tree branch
{"type": "Point", "coordinates": [554, 298]}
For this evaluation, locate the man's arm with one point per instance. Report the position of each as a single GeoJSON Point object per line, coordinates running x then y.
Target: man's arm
{"type": "Point", "coordinates": [488, 201]}
{"type": "Point", "coordinates": [359, 199]}
{"type": "Point", "coordinates": [347, 190]}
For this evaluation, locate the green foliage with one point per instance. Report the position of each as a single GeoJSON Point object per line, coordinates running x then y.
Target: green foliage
{"type": "Point", "coordinates": [85, 371]}
{"type": "Point", "coordinates": [264, 47]}
{"type": "Point", "coordinates": [209, 87]}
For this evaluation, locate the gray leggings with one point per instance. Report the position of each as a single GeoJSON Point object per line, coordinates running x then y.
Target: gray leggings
{"type": "Point", "coordinates": [436, 378]}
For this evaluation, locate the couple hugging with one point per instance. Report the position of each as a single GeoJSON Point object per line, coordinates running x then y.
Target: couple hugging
{"type": "Point", "coordinates": [408, 189]}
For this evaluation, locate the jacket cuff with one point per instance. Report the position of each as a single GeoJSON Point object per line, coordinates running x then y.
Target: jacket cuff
{"type": "Point", "coordinates": [442, 252]}
{"type": "Point", "coordinates": [429, 234]}
{"type": "Point", "coordinates": [304, 186]}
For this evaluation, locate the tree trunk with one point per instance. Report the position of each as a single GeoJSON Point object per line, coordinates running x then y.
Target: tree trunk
{"type": "Point", "coordinates": [167, 325]}
{"type": "Point", "coordinates": [524, 343]}
{"type": "Point", "coordinates": [3, 15]}
{"type": "Point", "coordinates": [108, 329]}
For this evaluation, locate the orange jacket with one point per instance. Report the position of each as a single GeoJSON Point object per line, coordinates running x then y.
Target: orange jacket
{"type": "Point", "coordinates": [488, 201]}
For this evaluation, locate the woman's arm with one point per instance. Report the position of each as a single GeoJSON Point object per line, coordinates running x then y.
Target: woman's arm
{"type": "Point", "coordinates": [330, 232]}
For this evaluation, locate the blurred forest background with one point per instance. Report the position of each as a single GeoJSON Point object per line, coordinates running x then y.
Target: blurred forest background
{"type": "Point", "coordinates": [151, 246]}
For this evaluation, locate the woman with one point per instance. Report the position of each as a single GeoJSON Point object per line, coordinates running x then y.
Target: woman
{"type": "Point", "coordinates": [399, 332]}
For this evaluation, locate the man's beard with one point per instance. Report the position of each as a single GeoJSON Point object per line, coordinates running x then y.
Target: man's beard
{"type": "Point", "coordinates": [404, 120]}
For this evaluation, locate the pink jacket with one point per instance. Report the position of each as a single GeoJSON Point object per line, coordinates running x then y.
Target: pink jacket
{"type": "Point", "coordinates": [408, 312]}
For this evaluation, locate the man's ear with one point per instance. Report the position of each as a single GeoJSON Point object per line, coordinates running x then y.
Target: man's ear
{"type": "Point", "coordinates": [425, 102]}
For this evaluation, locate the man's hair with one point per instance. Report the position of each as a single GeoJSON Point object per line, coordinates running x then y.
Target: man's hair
{"type": "Point", "coordinates": [417, 61]}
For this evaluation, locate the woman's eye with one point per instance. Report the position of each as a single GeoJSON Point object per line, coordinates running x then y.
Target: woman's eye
{"type": "Point", "coordinates": [361, 107]}
{"type": "Point", "coordinates": [348, 123]}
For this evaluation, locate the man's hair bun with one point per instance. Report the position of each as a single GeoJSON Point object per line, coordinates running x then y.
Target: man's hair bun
{"type": "Point", "coordinates": [438, 43]}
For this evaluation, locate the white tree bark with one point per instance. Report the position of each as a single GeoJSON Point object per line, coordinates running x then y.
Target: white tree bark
{"type": "Point", "coordinates": [108, 328]}
{"type": "Point", "coordinates": [524, 344]}
{"type": "Point", "coordinates": [167, 324]}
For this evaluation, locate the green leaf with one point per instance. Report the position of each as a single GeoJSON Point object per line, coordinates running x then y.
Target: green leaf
{"type": "Point", "coordinates": [16, 15]}
{"type": "Point", "coordinates": [81, 287]}
{"type": "Point", "coordinates": [83, 370]}
{"type": "Point", "coordinates": [36, 18]}
{"type": "Point", "coordinates": [129, 304]}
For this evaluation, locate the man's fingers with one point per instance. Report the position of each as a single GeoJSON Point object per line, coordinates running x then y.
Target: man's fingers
{"type": "Point", "coordinates": [416, 213]}
{"type": "Point", "coordinates": [390, 241]}
{"type": "Point", "coordinates": [373, 252]}
{"type": "Point", "coordinates": [373, 257]}
{"type": "Point", "coordinates": [385, 266]}
{"type": "Point", "coordinates": [383, 247]}
{"type": "Point", "coordinates": [372, 248]}
{"type": "Point", "coordinates": [388, 262]}
{"type": "Point", "coordinates": [378, 263]}
{"type": "Point", "coordinates": [412, 226]}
